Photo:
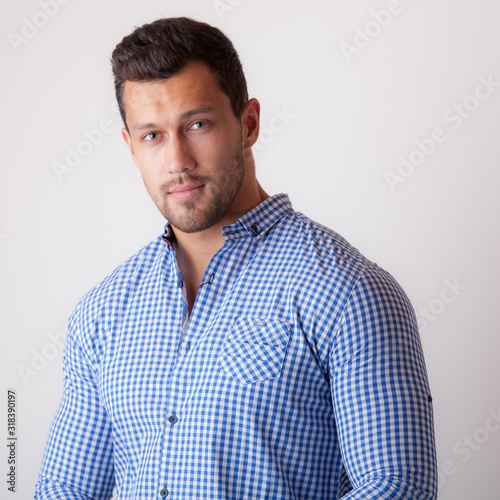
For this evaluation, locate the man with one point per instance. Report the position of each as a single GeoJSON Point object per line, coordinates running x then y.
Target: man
{"type": "Point", "coordinates": [247, 353]}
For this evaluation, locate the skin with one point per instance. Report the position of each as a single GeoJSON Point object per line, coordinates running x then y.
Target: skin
{"type": "Point", "coordinates": [195, 158]}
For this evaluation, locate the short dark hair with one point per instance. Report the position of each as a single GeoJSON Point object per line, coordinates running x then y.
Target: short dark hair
{"type": "Point", "coordinates": [161, 49]}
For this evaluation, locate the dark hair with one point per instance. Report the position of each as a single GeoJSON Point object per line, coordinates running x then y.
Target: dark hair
{"type": "Point", "coordinates": [161, 49]}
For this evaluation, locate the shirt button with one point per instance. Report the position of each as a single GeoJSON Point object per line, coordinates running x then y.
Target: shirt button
{"type": "Point", "coordinates": [173, 419]}
{"type": "Point", "coordinates": [255, 229]}
{"type": "Point", "coordinates": [179, 283]}
{"type": "Point", "coordinates": [188, 346]}
{"type": "Point", "coordinates": [164, 493]}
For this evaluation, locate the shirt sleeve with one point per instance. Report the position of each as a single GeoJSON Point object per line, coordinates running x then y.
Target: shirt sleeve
{"type": "Point", "coordinates": [381, 396]}
{"type": "Point", "coordinates": [78, 459]}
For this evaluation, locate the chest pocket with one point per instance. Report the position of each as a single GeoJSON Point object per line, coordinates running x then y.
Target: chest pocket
{"type": "Point", "coordinates": [254, 349]}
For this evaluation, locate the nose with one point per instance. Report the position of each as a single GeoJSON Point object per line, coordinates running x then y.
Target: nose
{"type": "Point", "coordinates": [179, 157]}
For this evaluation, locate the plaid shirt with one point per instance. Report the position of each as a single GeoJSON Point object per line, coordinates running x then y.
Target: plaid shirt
{"type": "Point", "coordinates": [299, 374]}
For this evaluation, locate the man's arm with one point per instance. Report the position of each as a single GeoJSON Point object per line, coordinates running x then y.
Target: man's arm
{"type": "Point", "coordinates": [381, 395]}
{"type": "Point", "coordinates": [78, 460]}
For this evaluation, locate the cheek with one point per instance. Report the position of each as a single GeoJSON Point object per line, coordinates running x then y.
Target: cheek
{"type": "Point", "coordinates": [217, 152]}
{"type": "Point", "coordinates": [149, 165]}
{"type": "Point", "coordinates": [149, 177]}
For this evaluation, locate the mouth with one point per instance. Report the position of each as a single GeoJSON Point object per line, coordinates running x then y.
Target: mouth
{"type": "Point", "coordinates": [186, 191]}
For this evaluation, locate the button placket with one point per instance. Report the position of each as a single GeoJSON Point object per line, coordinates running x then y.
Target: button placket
{"type": "Point", "coordinates": [195, 327]}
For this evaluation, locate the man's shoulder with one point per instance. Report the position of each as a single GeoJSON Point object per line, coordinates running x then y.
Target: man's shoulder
{"type": "Point", "coordinates": [326, 258]}
{"type": "Point", "coordinates": [135, 269]}
{"type": "Point", "coordinates": [320, 244]}
{"type": "Point", "coordinates": [328, 266]}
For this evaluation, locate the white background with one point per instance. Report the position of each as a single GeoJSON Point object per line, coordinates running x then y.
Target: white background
{"type": "Point", "coordinates": [353, 117]}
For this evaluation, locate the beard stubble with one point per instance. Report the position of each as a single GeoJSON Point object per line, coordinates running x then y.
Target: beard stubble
{"type": "Point", "coordinates": [189, 217]}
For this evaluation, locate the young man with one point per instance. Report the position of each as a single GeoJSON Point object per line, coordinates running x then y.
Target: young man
{"type": "Point", "coordinates": [248, 352]}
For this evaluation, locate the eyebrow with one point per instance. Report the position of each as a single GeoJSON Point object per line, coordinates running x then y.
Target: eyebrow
{"type": "Point", "coordinates": [203, 109]}
{"type": "Point", "coordinates": [184, 116]}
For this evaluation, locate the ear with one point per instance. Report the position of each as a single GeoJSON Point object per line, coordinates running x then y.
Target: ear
{"type": "Point", "coordinates": [250, 123]}
{"type": "Point", "coordinates": [128, 140]}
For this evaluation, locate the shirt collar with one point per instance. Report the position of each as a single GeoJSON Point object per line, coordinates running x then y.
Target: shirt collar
{"type": "Point", "coordinates": [256, 223]}
{"type": "Point", "coordinates": [168, 234]}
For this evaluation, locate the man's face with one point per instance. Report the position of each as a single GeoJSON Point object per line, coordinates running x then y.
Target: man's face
{"type": "Point", "coordinates": [187, 143]}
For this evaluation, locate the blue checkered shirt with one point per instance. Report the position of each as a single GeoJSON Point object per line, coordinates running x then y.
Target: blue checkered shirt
{"type": "Point", "coordinates": [299, 375]}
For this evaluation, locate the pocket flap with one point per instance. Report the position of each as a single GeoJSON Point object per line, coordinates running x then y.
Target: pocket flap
{"type": "Point", "coordinates": [255, 348]}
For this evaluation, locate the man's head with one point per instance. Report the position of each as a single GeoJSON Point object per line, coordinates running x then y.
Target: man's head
{"type": "Point", "coordinates": [188, 122]}
{"type": "Point", "coordinates": [160, 50]}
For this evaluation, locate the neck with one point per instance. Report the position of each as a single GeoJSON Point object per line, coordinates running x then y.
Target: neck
{"type": "Point", "coordinates": [195, 250]}
{"type": "Point", "coordinates": [204, 244]}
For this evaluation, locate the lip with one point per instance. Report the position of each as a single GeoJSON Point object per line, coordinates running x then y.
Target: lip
{"type": "Point", "coordinates": [186, 191]}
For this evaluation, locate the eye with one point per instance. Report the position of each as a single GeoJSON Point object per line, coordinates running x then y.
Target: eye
{"type": "Point", "coordinates": [151, 136]}
{"type": "Point", "coordinates": [198, 125]}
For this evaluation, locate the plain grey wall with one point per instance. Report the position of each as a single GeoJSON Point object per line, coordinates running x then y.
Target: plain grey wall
{"type": "Point", "coordinates": [379, 118]}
